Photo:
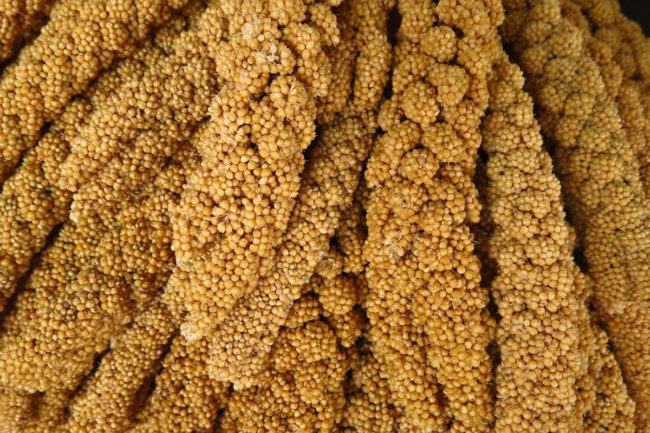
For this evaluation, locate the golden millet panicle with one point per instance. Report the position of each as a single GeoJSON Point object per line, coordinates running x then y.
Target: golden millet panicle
{"type": "Point", "coordinates": [369, 405]}
{"type": "Point", "coordinates": [89, 284]}
{"type": "Point", "coordinates": [612, 408]}
{"type": "Point", "coordinates": [241, 343]}
{"type": "Point", "coordinates": [32, 202]}
{"type": "Point", "coordinates": [373, 60]}
{"type": "Point", "coordinates": [31, 205]}
{"type": "Point", "coordinates": [80, 38]}
{"type": "Point", "coordinates": [185, 399]}
{"type": "Point", "coordinates": [428, 326]}
{"type": "Point", "coordinates": [18, 21]}
{"type": "Point", "coordinates": [354, 216]}
{"type": "Point", "coordinates": [47, 412]}
{"type": "Point", "coordinates": [302, 385]}
{"type": "Point", "coordinates": [150, 115]}
{"type": "Point", "coordinates": [600, 175]}
{"type": "Point", "coordinates": [623, 55]}
{"type": "Point", "coordinates": [544, 333]}
{"type": "Point", "coordinates": [235, 207]}
{"type": "Point", "coordinates": [106, 399]}
{"type": "Point", "coordinates": [15, 409]}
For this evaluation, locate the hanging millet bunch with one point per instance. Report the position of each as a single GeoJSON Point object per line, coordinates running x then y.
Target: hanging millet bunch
{"type": "Point", "coordinates": [324, 216]}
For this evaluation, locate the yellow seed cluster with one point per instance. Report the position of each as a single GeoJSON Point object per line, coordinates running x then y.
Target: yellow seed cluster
{"type": "Point", "coordinates": [369, 405]}
{"type": "Point", "coordinates": [429, 329]}
{"type": "Point", "coordinates": [15, 409]}
{"type": "Point", "coordinates": [33, 201]}
{"type": "Point", "coordinates": [301, 386]}
{"type": "Point", "coordinates": [534, 288]}
{"type": "Point", "coordinates": [623, 55]}
{"type": "Point", "coordinates": [544, 333]}
{"type": "Point", "coordinates": [301, 383]}
{"type": "Point", "coordinates": [80, 39]}
{"type": "Point", "coordinates": [354, 216]}
{"type": "Point", "coordinates": [107, 399]}
{"type": "Point", "coordinates": [149, 116]}
{"type": "Point", "coordinates": [600, 175]}
{"type": "Point", "coordinates": [236, 207]}
{"type": "Point", "coordinates": [31, 205]}
{"type": "Point", "coordinates": [46, 410]}
{"type": "Point", "coordinates": [185, 399]}
{"type": "Point", "coordinates": [240, 345]}
{"type": "Point", "coordinates": [18, 21]}
{"type": "Point", "coordinates": [612, 409]}
{"type": "Point", "coordinates": [101, 273]}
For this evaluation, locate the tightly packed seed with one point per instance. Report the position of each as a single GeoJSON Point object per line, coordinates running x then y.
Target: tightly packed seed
{"type": "Point", "coordinates": [612, 409]}
{"type": "Point", "coordinates": [18, 21]}
{"type": "Point", "coordinates": [80, 39]}
{"type": "Point", "coordinates": [370, 216]}
{"type": "Point", "coordinates": [534, 289]}
{"type": "Point", "coordinates": [185, 399]}
{"type": "Point", "coordinates": [235, 208]}
{"type": "Point", "coordinates": [240, 345]}
{"type": "Point", "coordinates": [106, 400]}
{"type": "Point", "coordinates": [600, 174]}
{"type": "Point", "coordinates": [328, 184]}
{"type": "Point", "coordinates": [428, 326]}
{"type": "Point", "coordinates": [31, 205]}
{"type": "Point", "coordinates": [302, 384]}
{"type": "Point", "coordinates": [32, 201]}
{"type": "Point", "coordinates": [369, 404]}
{"type": "Point", "coordinates": [539, 294]}
{"type": "Point", "coordinates": [147, 119]}
{"type": "Point", "coordinates": [623, 55]}
{"type": "Point", "coordinates": [101, 272]}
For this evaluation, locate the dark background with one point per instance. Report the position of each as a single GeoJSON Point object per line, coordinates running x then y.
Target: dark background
{"type": "Point", "coordinates": [639, 11]}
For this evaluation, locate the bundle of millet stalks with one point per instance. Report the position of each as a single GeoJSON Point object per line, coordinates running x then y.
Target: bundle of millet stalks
{"type": "Point", "coordinates": [317, 216]}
